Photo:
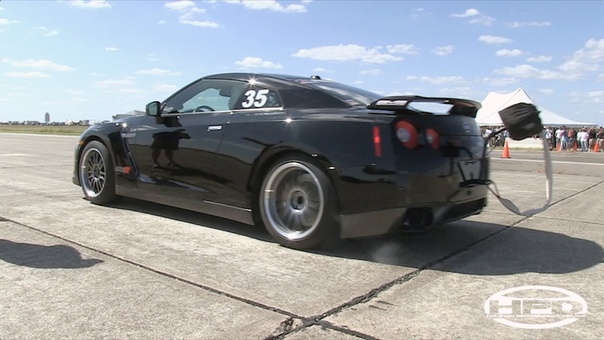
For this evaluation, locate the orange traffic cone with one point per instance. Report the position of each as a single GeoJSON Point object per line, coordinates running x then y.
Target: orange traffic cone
{"type": "Point", "coordinates": [575, 146]}
{"type": "Point", "coordinates": [596, 147]}
{"type": "Point", "coordinates": [506, 150]}
{"type": "Point", "coordinates": [559, 147]}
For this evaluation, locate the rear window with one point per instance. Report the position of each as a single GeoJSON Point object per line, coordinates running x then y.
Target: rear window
{"type": "Point", "coordinates": [348, 94]}
{"type": "Point", "coordinates": [433, 108]}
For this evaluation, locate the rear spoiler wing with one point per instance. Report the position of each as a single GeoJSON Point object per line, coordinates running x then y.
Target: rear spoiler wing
{"type": "Point", "coordinates": [398, 104]}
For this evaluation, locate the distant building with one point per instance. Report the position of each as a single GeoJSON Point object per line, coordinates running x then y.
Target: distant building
{"type": "Point", "coordinates": [47, 118]}
{"type": "Point", "coordinates": [128, 114]}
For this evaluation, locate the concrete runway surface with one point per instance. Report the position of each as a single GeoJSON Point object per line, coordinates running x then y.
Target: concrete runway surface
{"type": "Point", "coordinates": [70, 269]}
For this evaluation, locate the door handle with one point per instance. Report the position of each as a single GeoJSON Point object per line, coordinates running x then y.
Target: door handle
{"type": "Point", "coordinates": [214, 127]}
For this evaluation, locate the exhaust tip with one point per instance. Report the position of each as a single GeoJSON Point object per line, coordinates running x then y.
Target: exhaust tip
{"type": "Point", "coordinates": [418, 220]}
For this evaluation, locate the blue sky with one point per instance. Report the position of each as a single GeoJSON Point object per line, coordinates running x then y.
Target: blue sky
{"type": "Point", "coordinates": [93, 59]}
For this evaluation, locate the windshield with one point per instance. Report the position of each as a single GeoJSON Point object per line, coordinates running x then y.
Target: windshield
{"type": "Point", "coordinates": [350, 95]}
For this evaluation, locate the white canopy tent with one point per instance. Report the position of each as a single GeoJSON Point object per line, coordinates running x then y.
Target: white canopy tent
{"type": "Point", "coordinates": [494, 102]}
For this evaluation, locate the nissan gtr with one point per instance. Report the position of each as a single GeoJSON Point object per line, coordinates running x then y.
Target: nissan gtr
{"type": "Point", "coordinates": [312, 160]}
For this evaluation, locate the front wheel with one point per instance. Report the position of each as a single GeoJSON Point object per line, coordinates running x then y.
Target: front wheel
{"type": "Point", "coordinates": [298, 204]}
{"type": "Point", "coordinates": [97, 174]}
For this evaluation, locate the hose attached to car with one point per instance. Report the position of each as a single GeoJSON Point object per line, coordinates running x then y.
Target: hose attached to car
{"type": "Point", "coordinates": [549, 184]}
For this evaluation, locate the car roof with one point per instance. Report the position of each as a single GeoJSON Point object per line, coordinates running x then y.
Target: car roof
{"type": "Point", "coordinates": [266, 78]}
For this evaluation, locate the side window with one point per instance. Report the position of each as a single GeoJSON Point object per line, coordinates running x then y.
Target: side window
{"type": "Point", "coordinates": [206, 95]}
{"type": "Point", "coordinates": [255, 97]}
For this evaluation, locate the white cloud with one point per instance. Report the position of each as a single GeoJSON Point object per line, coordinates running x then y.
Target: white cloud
{"type": "Point", "coordinates": [74, 92]}
{"type": "Point", "coordinates": [587, 59]}
{"type": "Point", "coordinates": [6, 22]}
{"type": "Point", "coordinates": [180, 5]}
{"type": "Point", "coordinates": [346, 53]}
{"type": "Point", "coordinates": [92, 4]}
{"type": "Point", "coordinates": [463, 91]}
{"type": "Point", "coordinates": [41, 64]}
{"type": "Point", "coordinates": [491, 39]}
{"type": "Point", "coordinates": [111, 49]}
{"type": "Point", "coordinates": [271, 5]}
{"type": "Point", "coordinates": [468, 13]}
{"type": "Point", "coordinates": [539, 59]}
{"type": "Point", "coordinates": [591, 97]}
{"type": "Point", "coordinates": [402, 49]}
{"type": "Point", "coordinates": [601, 77]}
{"type": "Point", "coordinates": [165, 88]}
{"type": "Point", "coordinates": [36, 75]}
{"type": "Point", "coordinates": [529, 71]}
{"type": "Point", "coordinates": [47, 32]}
{"type": "Point", "coordinates": [509, 53]}
{"type": "Point", "coordinates": [546, 91]}
{"type": "Point", "coordinates": [251, 62]}
{"type": "Point", "coordinates": [373, 72]}
{"type": "Point", "coordinates": [152, 57]}
{"type": "Point", "coordinates": [398, 93]}
{"type": "Point", "coordinates": [500, 81]}
{"type": "Point", "coordinates": [475, 17]}
{"type": "Point", "coordinates": [484, 20]}
{"type": "Point", "coordinates": [532, 23]}
{"type": "Point", "coordinates": [162, 22]}
{"type": "Point", "coordinates": [443, 50]}
{"type": "Point", "coordinates": [417, 12]}
{"type": "Point", "coordinates": [321, 70]}
{"type": "Point", "coordinates": [115, 82]}
{"type": "Point", "coordinates": [436, 80]}
{"type": "Point", "coordinates": [188, 11]}
{"type": "Point", "coordinates": [159, 72]}
{"type": "Point", "coordinates": [129, 91]}
{"type": "Point", "coordinates": [197, 23]}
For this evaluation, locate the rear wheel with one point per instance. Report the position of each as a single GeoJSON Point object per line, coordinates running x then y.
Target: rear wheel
{"type": "Point", "coordinates": [297, 203]}
{"type": "Point", "coordinates": [97, 175]}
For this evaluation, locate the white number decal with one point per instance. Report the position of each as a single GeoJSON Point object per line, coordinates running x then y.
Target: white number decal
{"type": "Point", "coordinates": [257, 99]}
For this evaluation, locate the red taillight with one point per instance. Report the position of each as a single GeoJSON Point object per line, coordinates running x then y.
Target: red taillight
{"type": "Point", "coordinates": [407, 134]}
{"type": "Point", "coordinates": [377, 142]}
{"type": "Point", "coordinates": [432, 138]}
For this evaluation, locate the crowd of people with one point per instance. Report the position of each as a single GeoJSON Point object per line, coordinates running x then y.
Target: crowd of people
{"type": "Point", "coordinates": [583, 139]}
{"type": "Point", "coordinates": [561, 138]}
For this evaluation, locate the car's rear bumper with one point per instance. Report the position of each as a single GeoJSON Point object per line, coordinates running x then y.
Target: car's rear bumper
{"type": "Point", "coordinates": [385, 221]}
{"type": "Point", "coordinates": [430, 198]}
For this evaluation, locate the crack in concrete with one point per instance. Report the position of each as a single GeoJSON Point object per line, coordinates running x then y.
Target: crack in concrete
{"type": "Point", "coordinates": [285, 326]}
{"type": "Point", "coordinates": [318, 319]}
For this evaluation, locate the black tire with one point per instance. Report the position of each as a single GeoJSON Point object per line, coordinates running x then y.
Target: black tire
{"type": "Point", "coordinates": [298, 204]}
{"type": "Point", "coordinates": [97, 174]}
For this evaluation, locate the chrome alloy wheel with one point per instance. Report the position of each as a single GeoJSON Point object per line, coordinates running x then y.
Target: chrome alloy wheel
{"type": "Point", "coordinates": [93, 172]}
{"type": "Point", "coordinates": [293, 200]}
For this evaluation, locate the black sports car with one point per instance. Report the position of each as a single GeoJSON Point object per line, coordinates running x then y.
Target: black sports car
{"type": "Point", "coordinates": [308, 158]}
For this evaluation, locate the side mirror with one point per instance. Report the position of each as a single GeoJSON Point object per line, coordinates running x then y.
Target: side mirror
{"type": "Point", "coordinates": [153, 109]}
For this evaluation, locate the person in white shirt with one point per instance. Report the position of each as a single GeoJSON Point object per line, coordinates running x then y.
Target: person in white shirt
{"type": "Point", "coordinates": [583, 138]}
{"type": "Point", "coordinates": [548, 137]}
